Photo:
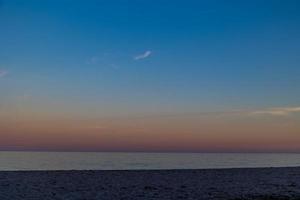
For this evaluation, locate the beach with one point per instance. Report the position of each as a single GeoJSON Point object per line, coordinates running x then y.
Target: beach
{"type": "Point", "coordinates": [242, 183]}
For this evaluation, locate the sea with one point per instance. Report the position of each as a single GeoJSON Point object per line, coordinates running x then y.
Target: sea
{"type": "Point", "coordinates": [14, 161]}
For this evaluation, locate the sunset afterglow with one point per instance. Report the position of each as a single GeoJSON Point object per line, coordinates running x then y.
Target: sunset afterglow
{"type": "Point", "coordinates": [150, 76]}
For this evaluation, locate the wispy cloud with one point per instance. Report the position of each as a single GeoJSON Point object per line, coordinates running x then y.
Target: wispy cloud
{"type": "Point", "coordinates": [93, 60]}
{"type": "Point", "coordinates": [3, 73]}
{"type": "Point", "coordinates": [143, 56]}
{"type": "Point", "coordinates": [267, 112]}
{"type": "Point", "coordinates": [281, 111]}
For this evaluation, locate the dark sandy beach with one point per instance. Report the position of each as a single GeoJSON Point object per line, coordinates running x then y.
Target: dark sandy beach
{"type": "Point", "coordinates": [260, 183]}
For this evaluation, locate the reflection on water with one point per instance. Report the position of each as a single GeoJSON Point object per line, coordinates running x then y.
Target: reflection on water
{"type": "Point", "coordinates": [128, 161]}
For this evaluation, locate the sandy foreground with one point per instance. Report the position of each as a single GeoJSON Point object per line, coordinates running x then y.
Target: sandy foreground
{"type": "Point", "coordinates": [260, 183]}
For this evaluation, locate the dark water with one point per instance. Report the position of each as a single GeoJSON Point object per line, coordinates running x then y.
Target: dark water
{"type": "Point", "coordinates": [122, 161]}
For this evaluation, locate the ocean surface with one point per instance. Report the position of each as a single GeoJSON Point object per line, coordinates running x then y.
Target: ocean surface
{"type": "Point", "coordinates": [130, 161]}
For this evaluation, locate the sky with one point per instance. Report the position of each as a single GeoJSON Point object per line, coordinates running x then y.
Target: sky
{"type": "Point", "coordinates": [150, 76]}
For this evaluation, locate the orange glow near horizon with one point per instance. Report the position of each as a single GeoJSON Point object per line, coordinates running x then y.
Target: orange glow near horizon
{"type": "Point", "coordinates": [178, 133]}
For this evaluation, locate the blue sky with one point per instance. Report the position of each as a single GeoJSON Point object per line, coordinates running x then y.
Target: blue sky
{"type": "Point", "coordinates": [204, 53]}
{"type": "Point", "coordinates": [111, 58]}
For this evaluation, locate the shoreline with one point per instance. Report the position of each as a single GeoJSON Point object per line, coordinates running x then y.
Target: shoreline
{"type": "Point", "coordinates": [146, 170]}
{"type": "Point", "coordinates": [230, 183]}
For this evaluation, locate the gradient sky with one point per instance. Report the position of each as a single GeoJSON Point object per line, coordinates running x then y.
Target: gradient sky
{"type": "Point", "coordinates": [186, 76]}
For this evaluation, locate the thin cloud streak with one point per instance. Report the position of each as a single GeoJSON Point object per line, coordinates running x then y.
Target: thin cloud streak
{"type": "Point", "coordinates": [282, 111]}
{"type": "Point", "coordinates": [273, 112]}
{"type": "Point", "coordinates": [143, 56]}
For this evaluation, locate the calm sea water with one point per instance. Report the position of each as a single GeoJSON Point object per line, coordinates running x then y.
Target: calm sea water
{"type": "Point", "coordinates": [130, 161]}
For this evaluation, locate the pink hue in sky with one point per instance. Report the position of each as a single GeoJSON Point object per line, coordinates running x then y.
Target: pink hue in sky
{"type": "Point", "coordinates": [238, 131]}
